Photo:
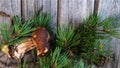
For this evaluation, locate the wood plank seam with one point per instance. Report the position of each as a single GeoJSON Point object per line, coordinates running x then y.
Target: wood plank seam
{"type": "Point", "coordinates": [58, 12]}
{"type": "Point", "coordinates": [22, 10]}
{"type": "Point", "coordinates": [96, 6]}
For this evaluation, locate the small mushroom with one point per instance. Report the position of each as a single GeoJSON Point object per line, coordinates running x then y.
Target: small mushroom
{"type": "Point", "coordinates": [17, 52]}
{"type": "Point", "coordinates": [41, 40]}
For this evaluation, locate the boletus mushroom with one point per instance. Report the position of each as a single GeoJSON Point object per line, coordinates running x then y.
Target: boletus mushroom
{"type": "Point", "coordinates": [17, 52]}
{"type": "Point", "coordinates": [41, 40]}
{"type": "Point", "coordinates": [20, 49]}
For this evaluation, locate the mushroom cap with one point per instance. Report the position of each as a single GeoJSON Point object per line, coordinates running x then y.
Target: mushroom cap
{"type": "Point", "coordinates": [41, 40]}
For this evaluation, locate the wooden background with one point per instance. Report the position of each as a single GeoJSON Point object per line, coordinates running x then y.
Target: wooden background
{"type": "Point", "coordinates": [64, 11]}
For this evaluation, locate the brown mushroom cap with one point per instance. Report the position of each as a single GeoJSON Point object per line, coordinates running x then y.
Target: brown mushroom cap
{"type": "Point", "coordinates": [41, 40]}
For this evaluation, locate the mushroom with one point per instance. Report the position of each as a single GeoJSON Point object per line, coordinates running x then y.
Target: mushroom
{"type": "Point", "coordinates": [17, 52]}
{"type": "Point", "coordinates": [20, 49]}
{"type": "Point", "coordinates": [41, 39]}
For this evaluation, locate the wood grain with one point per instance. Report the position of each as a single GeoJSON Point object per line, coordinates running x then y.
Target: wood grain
{"type": "Point", "coordinates": [109, 8]}
{"type": "Point", "coordinates": [28, 8]}
{"type": "Point", "coordinates": [54, 11]}
{"type": "Point", "coordinates": [64, 15]}
{"type": "Point", "coordinates": [31, 6]}
{"type": "Point", "coordinates": [10, 7]}
{"type": "Point", "coordinates": [75, 10]}
{"type": "Point", "coordinates": [50, 6]}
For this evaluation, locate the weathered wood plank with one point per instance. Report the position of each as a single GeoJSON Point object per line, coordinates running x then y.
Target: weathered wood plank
{"type": "Point", "coordinates": [28, 8]}
{"type": "Point", "coordinates": [38, 4]}
{"type": "Point", "coordinates": [10, 7]}
{"type": "Point", "coordinates": [63, 11]}
{"type": "Point", "coordinates": [49, 6]}
{"type": "Point", "coordinates": [75, 10]}
{"type": "Point", "coordinates": [111, 8]}
{"type": "Point", "coordinates": [54, 11]}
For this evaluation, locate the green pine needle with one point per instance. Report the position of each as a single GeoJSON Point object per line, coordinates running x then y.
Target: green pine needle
{"type": "Point", "coordinates": [54, 60]}
{"type": "Point", "coordinates": [42, 19]}
{"type": "Point", "coordinates": [66, 36]}
{"type": "Point", "coordinates": [6, 31]}
{"type": "Point", "coordinates": [22, 28]}
{"type": "Point", "coordinates": [94, 33]}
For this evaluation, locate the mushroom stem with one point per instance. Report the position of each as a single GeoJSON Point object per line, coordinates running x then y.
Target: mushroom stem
{"type": "Point", "coordinates": [19, 50]}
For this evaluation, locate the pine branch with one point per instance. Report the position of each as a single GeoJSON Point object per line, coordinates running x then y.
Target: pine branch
{"type": "Point", "coordinates": [66, 37]}
{"type": "Point", "coordinates": [22, 28]}
{"type": "Point", "coordinates": [42, 19]}
{"type": "Point", "coordinates": [55, 59]}
{"type": "Point", "coordinates": [92, 30]}
{"type": "Point", "coordinates": [6, 31]}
